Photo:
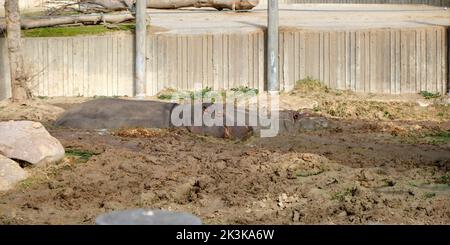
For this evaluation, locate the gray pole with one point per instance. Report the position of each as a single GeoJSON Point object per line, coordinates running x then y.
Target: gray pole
{"type": "Point", "coordinates": [448, 62]}
{"type": "Point", "coordinates": [272, 46]}
{"type": "Point", "coordinates": [141, 34]}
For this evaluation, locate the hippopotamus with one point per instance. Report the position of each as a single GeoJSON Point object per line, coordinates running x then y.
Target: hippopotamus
{"type": "Point", "coordinates": [119, 113]}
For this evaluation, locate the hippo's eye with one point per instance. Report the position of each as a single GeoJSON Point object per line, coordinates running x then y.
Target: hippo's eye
{"type": "Point", "coordinates": [296, 116]}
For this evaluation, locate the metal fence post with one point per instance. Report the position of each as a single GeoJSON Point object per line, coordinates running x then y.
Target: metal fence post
{"type": "Point", "coordinates": [141, 34]}
{"type": "Point", "coordinates": [272, 46]}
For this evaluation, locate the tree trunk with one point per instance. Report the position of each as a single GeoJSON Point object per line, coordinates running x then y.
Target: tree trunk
{"type": "Point", "coordinates": [67, 20]}
{"type": "Point", "coordinates": [19, 87]}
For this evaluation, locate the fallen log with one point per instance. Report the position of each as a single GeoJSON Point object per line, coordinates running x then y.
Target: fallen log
{"type": "Point", "coordinates": [30, 23]}
{"type": "Point", "coordinates": [175, 4]}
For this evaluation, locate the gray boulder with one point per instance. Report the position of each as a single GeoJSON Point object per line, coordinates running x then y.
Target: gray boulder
{"type": "Point", "coordinates": [10, 173]}
{"type": "Point", "coordinates": [29, 141]}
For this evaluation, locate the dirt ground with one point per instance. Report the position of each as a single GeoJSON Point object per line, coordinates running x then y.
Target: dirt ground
{"type": "Point", "coordinates": [386, 162]}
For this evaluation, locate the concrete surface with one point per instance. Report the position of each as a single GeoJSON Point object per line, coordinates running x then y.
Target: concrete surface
{"type": "Point", "coordinates": [429, 2]}
{"type": "Point", "coordinates": [303, 16]}
{"type": "Point", "coordinates": [25, 5]}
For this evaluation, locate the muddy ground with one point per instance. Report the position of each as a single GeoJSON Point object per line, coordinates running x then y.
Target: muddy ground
{"type": "Point", "coordinates": [387, 161]}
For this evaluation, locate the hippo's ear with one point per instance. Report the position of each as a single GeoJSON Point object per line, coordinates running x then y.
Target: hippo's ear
{"type": "Point", "coordinates": [296, 116]}
{"type": "Point", "coordinates": [205, 106]}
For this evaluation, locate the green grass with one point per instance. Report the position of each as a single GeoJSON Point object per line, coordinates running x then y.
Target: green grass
{"type": "Point", "coordinates": [443, 111]}
{"type": "Point", "coordinates": [205, 93]}
{"type": "Point", "coordinates": [340, 195]}
{"type": "Point", "coordinates": [75, 30]}
{"type": "Point", "coordinates": [444, 179]}
{"type": "Point", "coordinates": [165, 96]}
{"type": "Point", "coordinates": [388, 115]}
{"type": "Point", "coordinates": [429, 95]}
{"type": "Point", "coordinates": [201, 93]}
{"type": "Point", "coordinates": [439, 138]}
{"type": "Point", "coordinates": [170, 93]}
{"type": "Point", "coordinates": [26, 183]}
{"type": "Point", "coordinates": [429, 195]}
{"type": "Point", "coordinates": [245, 89]}
{"type": "Point", "coordinates": [82, 155]}
{"type": "Point", "coordinates": [105, 97]}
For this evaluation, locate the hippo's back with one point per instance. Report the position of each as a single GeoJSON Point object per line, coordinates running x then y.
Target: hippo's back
{"type": "Point", "coordinates": [117, 113]}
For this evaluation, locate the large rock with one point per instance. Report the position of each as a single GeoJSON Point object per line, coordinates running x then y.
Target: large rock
{"type": "Point", "coordinates": [29, 141]}
{"type": "Point", "coordinates": [10, 173]}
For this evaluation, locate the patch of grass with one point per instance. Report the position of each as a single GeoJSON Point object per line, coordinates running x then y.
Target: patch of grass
{"type": "Point", "coordinates": [340, 195]}
{"type": "Point", "coordinates": [418, 183]}
{"type": "Point", "coordinates": [105, 97]}
{"type": "Point", "coordinates": [388, 183]}
{"type": "Point", "coordinates": [311, 84]}
{"type": "Point", "coordinates": [201, 93]}
{"type": "Point", "coordinates": [82, 155]}
{"type": "Point", "coordinates": [165, 96]}
{"type": "Point", "coordinates": [429, 95]}
{"type": "Point", "coordinates": [26, 183]}
{"type": "Point", "coordinates": [444, 179]}
{"type": "Point", "coordinates": [429, 195]}
{"type": "Point", "coordinates": [42, 97]}
{"type": "Point", "coordinates": [205, 93]}
{"type": "Point", "coordinates": [303, 173]}
{"type": "Point", "coordinates": [339, 109]}
{"type": "Point", "coordinates": [169, 94]}
{"type": "Point", "coordinates": [443, 111]}
{"type": "Point", "coordinates": [75, 30]}
{"type": "Point", "coordinates": [439, 138]}
{"type": "Point", "coordinates": [245, 89]}
{"type": "Point", "coordinates": [140, 132]}
{"type": "Point", "coordinates": [388, 115]}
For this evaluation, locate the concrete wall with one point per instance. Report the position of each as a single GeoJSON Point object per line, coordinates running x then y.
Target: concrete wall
{"type": "Point", "coordinates": [103, 65]}
{"type": "Point", "coordinates": [383, 61]}
{"type": "Point", "coordinates": [429, 2]}
{"type": "Point", "coordinates": [378, 61]}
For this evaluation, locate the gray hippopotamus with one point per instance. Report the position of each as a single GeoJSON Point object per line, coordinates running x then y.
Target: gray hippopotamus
{"type": "Point", "coordinates": [118, 113]}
